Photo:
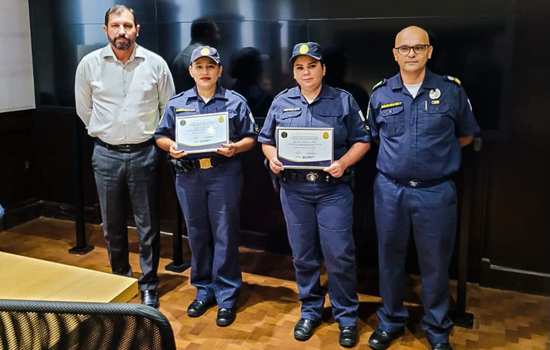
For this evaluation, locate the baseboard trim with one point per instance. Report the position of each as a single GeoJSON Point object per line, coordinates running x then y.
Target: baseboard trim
{"type": "Point", "coordinates": [504, 277]}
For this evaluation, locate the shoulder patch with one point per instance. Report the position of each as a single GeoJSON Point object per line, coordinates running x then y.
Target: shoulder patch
{"type": "Point", "coordinates": [453, 79]}
{"type": "Point", "coordinates": [380, 83]}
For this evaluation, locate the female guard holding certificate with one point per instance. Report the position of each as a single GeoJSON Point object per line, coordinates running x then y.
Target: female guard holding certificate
{"type": "Point", "coordinates": [317, 204]}
{"type": "Point", "coordinates": [208, 185]}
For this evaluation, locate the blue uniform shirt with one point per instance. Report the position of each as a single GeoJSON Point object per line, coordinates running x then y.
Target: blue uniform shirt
{"type": "Point", "coordinates": [241, 122]}
{"type": "Point", "coordinates": [333, 108]}
{"type": "Point", "coordinates": [419, 137]}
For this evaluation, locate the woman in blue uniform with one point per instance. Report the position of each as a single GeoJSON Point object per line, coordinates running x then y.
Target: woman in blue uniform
{"type": "Point", "coordinates": [208, 185]}
{"type": "Point", "coordinates": [317, 205]}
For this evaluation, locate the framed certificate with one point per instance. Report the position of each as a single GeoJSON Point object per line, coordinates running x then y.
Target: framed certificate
{"type": "Point", "coordinates": [305, 148]}
{"type": "Point", "coordinates": [202, 133]}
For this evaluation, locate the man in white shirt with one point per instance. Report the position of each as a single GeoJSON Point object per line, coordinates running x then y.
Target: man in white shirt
{"type": "Point", "coordinates": [120, 92]}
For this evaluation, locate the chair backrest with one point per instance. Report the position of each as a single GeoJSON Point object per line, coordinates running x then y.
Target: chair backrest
{"type": "Point", "coordinates": [30, 325]}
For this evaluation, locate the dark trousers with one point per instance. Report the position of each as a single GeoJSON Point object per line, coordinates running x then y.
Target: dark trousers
{"type": "Point", "coordinates": [209, 200]}
{"type": "Point", "coordinates": [431, 213]}
{"type": "Point", "coordinates": [124, 179]}
{"type": "Point", "coordinates": [319, 225]}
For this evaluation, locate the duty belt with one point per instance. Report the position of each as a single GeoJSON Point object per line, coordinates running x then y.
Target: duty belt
{"type": "Point", "coordinates": [127, 147]}
{"type": "Point", "coordinates": [314, 176]}
{"type": "Point", "coordinates": [416, 183]}
{"type": "Point", "coordinates": [186, 165]}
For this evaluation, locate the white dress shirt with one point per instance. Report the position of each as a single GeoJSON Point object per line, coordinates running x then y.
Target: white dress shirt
{"type": "Point", "coordinates": [120, 103]}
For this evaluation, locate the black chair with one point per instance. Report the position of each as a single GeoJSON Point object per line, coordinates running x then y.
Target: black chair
{"type": "Point", "coordinates": [30, 325]}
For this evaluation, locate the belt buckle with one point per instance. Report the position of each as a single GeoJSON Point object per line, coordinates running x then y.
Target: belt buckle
{"type": "Point", "coordinates": [125, 148]}
{"type": "Point", "coordinates": [414, 183]}
{"type": "Point", "coordinates": [205, 163]}
{"type": "Point", "coordinates": [312, 176]}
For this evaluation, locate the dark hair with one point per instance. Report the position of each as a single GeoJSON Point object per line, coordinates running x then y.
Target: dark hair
{"type": "Point", "coordinates": [116, 9]}
{"type": "Point", "coordinates": [204, 30]}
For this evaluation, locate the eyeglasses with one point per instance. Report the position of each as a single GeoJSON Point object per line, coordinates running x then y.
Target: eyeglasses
{"type": "Point", "coordinates": [418, 49]}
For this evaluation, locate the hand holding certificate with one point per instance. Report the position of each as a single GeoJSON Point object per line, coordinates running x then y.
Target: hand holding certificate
{"type": "Point", "coordinates": [202, 133]}
{"type": "Point", "coordinates": [305, 148]}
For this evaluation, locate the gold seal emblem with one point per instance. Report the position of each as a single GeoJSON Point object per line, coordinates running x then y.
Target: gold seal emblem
{"type": "Point", "coordinates": [205, 51]}
{"type": "Point", "coordinates": [221, 119]}
{"type": "Point", "coordinates": [304, 49]}
{"type": "Point", "coordinates": [325, 135]}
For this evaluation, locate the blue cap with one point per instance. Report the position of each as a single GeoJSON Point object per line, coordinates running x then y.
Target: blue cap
{"type": "Point", "coordinates": [311, 49]}
{"type": "Point", "coordinates": [205, 51]}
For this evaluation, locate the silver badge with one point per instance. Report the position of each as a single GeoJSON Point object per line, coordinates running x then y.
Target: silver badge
{"type": "Point", "coordinates": [312, 176]}
{"type": "Point", "coordinates": [435, 94]}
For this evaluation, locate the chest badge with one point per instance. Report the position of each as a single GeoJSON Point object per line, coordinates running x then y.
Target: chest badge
{"type": "Point", "coordinates": [435, 94]}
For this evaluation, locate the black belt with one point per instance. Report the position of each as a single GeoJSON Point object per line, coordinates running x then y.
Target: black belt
{"type": "Point", "coordinates": [127, 147]}
{"type": "Point", "coordinates": [314, 176]}
{"type": "Point", "coordinates": [186, 165]}
{"type": "Point", "coordinates": [416, 183]}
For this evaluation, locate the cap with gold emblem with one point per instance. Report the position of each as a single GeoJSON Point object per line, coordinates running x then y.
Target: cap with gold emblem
{"type": "Point", "coordinates": [205, 51]}
{"type": "Point", "coordinates": [311, 49]}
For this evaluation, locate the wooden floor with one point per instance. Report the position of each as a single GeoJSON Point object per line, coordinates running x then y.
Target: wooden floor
{"type": "Point", "coordinates": [269, 307]}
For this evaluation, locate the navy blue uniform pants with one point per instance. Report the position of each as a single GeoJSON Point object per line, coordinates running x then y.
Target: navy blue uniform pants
{"type": "Point", "coordinates": [431, 213]}
{"type": "Point", "coordinates": [129, 177]}
{"type": "Point", "coordinates": [209, 199]}
{"type": "Point", "coordinates": [319, 225]}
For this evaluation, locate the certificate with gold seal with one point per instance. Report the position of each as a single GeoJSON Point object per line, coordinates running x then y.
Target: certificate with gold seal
{"type": "Point", "coordinates": [305, 148]}
{"type": "Point", "coordinates": [200, 133]}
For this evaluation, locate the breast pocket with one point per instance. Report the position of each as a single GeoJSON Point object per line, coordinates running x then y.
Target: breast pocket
{"type": "Point", "coordinates": [289, 118]}
{"type": "Point", "coordinates": [328, 118]}
{"type": "Point", "coordinates": [437, 118]}
{"type": "Point", "coordinates": [391, 121]}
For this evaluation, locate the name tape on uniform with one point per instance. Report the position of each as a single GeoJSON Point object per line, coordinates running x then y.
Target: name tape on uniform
{"type": "Point", "coordinates": [390, 105]}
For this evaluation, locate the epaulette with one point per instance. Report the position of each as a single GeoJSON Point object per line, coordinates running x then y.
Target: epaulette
{"type": "Point", "coordinates": [280, 93]}
{"type": "Point", "coordinates": [176, 95]}
{"type": "Point", "coordinates": [236, 94]}
{"type": "Point", "coordinates": [380, 83]}
{"type": "Point", "coordinates": [453, 79]}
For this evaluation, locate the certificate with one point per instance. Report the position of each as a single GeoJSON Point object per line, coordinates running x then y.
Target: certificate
{"type": "Point", "coordinates": [201, 133]}
{"type": "Point", "coordinates": [305, 148]}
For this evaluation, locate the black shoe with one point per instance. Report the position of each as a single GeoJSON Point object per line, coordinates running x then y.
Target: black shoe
{"type": "Point", "coordinates": [198, 307]}
{"type": "Point", "coordinates": [303, 330]}
{"type": "Point", "coordinates": [348, 336]}
{"type": "Point", "coordinates": [442, 346]}
{"type": "Point", "coordinates": [380, 340]}
{"type": "Point", "coordinates": [225, 316]}
{"type": "Point", "coordinates": [150, 297]}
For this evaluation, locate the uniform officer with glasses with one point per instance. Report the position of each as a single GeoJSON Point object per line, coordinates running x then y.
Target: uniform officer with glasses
{"type": "Point", "coordinates": [317, 205]}
{"type": "Point", "coordinates": [421, 120]}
